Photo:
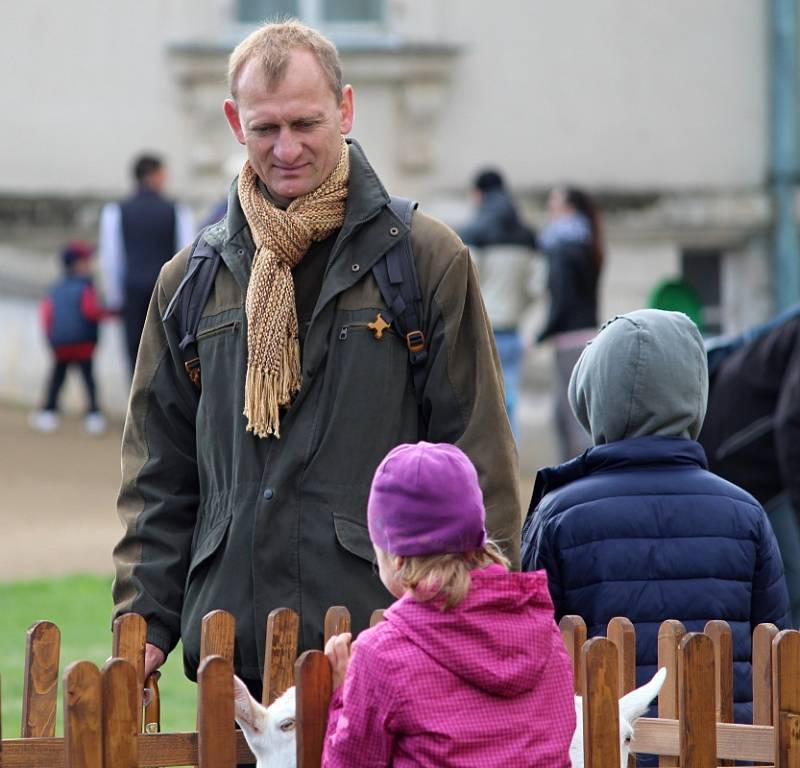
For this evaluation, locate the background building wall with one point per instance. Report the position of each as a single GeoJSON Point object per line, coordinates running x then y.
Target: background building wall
{"type": "Point", "coordinates": [620, 94]}
{"type": "Point", "coordinates": [659, 107]}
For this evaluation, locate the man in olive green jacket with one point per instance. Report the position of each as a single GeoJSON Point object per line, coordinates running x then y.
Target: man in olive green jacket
{"type": "Point", "coordinates": [225, 511]}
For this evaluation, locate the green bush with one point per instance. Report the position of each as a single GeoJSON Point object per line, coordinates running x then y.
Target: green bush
{"type": "Point", "coordinates": [81, 608]}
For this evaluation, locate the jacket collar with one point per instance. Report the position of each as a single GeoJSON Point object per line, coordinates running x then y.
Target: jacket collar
{"type": "Point", "coordinates": [638, 451]}
{"type": "Point", "coordinates": [366, 197]}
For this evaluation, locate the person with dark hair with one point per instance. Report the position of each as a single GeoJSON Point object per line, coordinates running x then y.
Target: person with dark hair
{"type": "Point", "coordinates": [502, 246]}
{"type": "Point", "coordinates": [70, 316]}
{"type": "Point", "coordinates": [137, 237]}
{"type": "Point", "coordinates": [752, 431]}
{"type": "Point", "coordinates": [573, 244]}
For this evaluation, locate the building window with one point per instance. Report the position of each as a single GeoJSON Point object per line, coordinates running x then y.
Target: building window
{"type": "Point", "coordinates": [316, 13]}
{"type": "Point", "coordinates": [702, 269]}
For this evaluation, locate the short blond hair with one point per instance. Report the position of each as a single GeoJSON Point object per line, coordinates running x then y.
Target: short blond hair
{"type": "Point", "coordinates": [272, 44]}
{"type": "Point", "coordinates": [448, 576]}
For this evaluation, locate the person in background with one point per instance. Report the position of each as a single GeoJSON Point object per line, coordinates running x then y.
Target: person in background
{"type": "Point", "coordinates": [468, 667]}
{"type": "Point", "coordinates": [70, 315]}
{"type": "Point", "coordinates": [752, 432]}
{"type": "Point", "coordinates": [573, 244]}
{"type": "Point", "coordinates": [502, 246]}
{"type": "Point", "coordinates": [137, 237]}
{"type": "Point", "coordinates": [637, 526]}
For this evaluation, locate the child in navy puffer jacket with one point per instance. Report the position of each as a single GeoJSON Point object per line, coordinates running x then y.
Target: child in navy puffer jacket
{"type": "Point", "coordinates": [70, 315]}
{"type": "Point", "coordinates": [637, 526]}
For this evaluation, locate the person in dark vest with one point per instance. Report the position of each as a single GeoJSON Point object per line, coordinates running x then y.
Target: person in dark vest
{"type": "Point", "coordinates": [137, 236]}
{"type": "Point", "coordinates": [70, 315]}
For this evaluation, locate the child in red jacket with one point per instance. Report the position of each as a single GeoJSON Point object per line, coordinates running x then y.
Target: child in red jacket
{"type": "Point", "coordinates": [468, 667]}
{"type": "Point", "coordinates": [70, 315]}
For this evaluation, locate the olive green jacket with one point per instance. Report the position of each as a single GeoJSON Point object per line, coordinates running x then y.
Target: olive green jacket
{"type": "Point", "coordinates": [218, 518]}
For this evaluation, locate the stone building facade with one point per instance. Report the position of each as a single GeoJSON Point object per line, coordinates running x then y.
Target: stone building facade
{"type": "Point", "coordinates": [660, 108]}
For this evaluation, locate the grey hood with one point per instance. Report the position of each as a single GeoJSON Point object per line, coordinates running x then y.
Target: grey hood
{"type": "Point", "coordinates": [645, 373]}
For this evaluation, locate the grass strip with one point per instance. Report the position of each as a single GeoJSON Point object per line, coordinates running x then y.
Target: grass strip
{"type": "Point", "coordinates": [81, 607]}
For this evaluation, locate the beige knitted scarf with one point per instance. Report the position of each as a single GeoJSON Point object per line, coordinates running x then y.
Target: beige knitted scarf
{"type": "Point", "coordinates": [281, 239]}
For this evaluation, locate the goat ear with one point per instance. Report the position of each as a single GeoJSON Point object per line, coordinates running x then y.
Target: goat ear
{"type": "Point", "coordinates": [243, 704]}
{"type": "Point", "coordinates": [635, 703]}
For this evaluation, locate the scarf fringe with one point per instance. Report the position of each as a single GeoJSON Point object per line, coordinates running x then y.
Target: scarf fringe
{"type": "Point", "coordinates": [266, 392]}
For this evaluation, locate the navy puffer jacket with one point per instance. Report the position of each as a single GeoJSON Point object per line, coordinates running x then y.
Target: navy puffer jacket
{"type": "Point", "coordinates": [640, 528]}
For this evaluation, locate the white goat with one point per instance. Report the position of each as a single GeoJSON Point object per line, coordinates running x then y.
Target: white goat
{"type": "Point", "coordinates": [270, 731]}
{"type": "Point", "coordinates": [631, 706]}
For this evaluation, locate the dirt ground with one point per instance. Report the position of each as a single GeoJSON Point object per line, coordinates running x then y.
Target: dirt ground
{"type": "Point", "coordinates": [57, 498]}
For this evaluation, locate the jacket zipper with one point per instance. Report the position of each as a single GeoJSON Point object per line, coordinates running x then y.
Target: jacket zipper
{"type": "Point", "coordinates": [231, 326]}
{"type": "Point", "coordinates": [345, 330]}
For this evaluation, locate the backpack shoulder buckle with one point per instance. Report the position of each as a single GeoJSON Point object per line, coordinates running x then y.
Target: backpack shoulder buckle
{"type": "Point", "coordinates": [415, 341]}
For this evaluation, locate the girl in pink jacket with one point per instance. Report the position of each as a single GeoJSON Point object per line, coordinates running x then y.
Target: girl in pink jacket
{"type": "Point", "coordinates": [468, 668]}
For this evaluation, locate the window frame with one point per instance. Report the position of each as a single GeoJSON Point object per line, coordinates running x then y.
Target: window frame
{"type": "Point", "coordinates": [311, 12]}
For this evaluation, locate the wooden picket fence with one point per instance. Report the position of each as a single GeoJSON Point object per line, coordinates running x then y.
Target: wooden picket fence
{"type": "Point", "coordinates": [106, 724]}
{"type": "Point", "coordinates": [695, 726]}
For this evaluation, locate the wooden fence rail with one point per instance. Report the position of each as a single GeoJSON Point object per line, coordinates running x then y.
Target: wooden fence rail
{"type": "Point", "coordinates": [103, 709]}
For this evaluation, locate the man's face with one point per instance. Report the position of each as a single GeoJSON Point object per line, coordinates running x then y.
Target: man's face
{"type": "Point", "coordinates": [292, 129]}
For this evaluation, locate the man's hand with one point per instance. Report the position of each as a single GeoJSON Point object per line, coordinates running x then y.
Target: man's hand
{"type": "Point", "coordinates": [153, 658]}
{"type": "Point", "coordinates": [338, 651]}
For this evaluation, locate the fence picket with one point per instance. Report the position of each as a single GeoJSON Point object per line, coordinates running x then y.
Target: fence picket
{"type": "Point", "coordinates": [283, 627]}
{"type": "Point", "coordinates": [600, 663]}
{"type": "Point", "coordinates": [697, 731]}
{"type": "Point", "coordinates": [83, 731]}
{"type": "Point", "coordinates": [152, 710]}
{"type": "Point", "coordinates": [217, 635]}
{"type": "Point", "coordinates": [40, 688]}
{"type": "Point", "coordinates": [763, 635]}
{"type": "Point", "coordinates": [722, 640]}
{"type": "Point", "coordinates": [622, 633]}
{"type": "Point", "coordinates": [314, 687]}
{"type": "Point", "coordinates": [573, 633]}
{"type": "Point", "coordinates": [669, 637]}
{"type": "Point", "coordinates": [120, 745]}
{"type": "Point", "coordinates": [337, 620]}
{"type": "Point", "coordinates": [786, 673]}
{"type": "Point", "coordinates": [376, 617]}
{"type": "Point", "coordinates": [130, 637]}
{"type": "Point", "coordinates": [216, 738]}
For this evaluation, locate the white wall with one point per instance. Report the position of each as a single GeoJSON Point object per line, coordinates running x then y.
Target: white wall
{"type": "Point", "coordinates": [85, 87]}
{"type": "Point", "coordinates": [615, 93]}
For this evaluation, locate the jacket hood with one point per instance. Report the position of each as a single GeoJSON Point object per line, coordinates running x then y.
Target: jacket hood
{"type": "Point", "coordinates": [498, 639]}
{"type": "Point", "coordinates": [645, 373]}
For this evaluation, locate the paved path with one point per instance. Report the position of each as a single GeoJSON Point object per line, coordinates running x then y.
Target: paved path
{"type": "Point", "coordinates": [57, 497]}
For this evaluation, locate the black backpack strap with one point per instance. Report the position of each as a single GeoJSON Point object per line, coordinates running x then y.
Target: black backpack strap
{"type": "Point", "coordinates": [189, 300]}
{"type": "Point", "coordinates": [396, 275]}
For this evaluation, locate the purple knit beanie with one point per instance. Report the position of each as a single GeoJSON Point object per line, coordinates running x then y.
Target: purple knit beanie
{"type": "Point", "coordinates": [425, 500]}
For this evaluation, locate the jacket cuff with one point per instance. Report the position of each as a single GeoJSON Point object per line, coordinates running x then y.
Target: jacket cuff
{"type": "Point", "coordinates": [160, 636]}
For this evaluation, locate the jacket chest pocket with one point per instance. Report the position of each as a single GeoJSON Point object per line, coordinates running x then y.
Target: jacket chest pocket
{"type": "Point", "coordinates": [377, 329]}
{"type": "Point", "coordinates": [222, 351]}
{"type": "Point", "coordinates": [232, 326]}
